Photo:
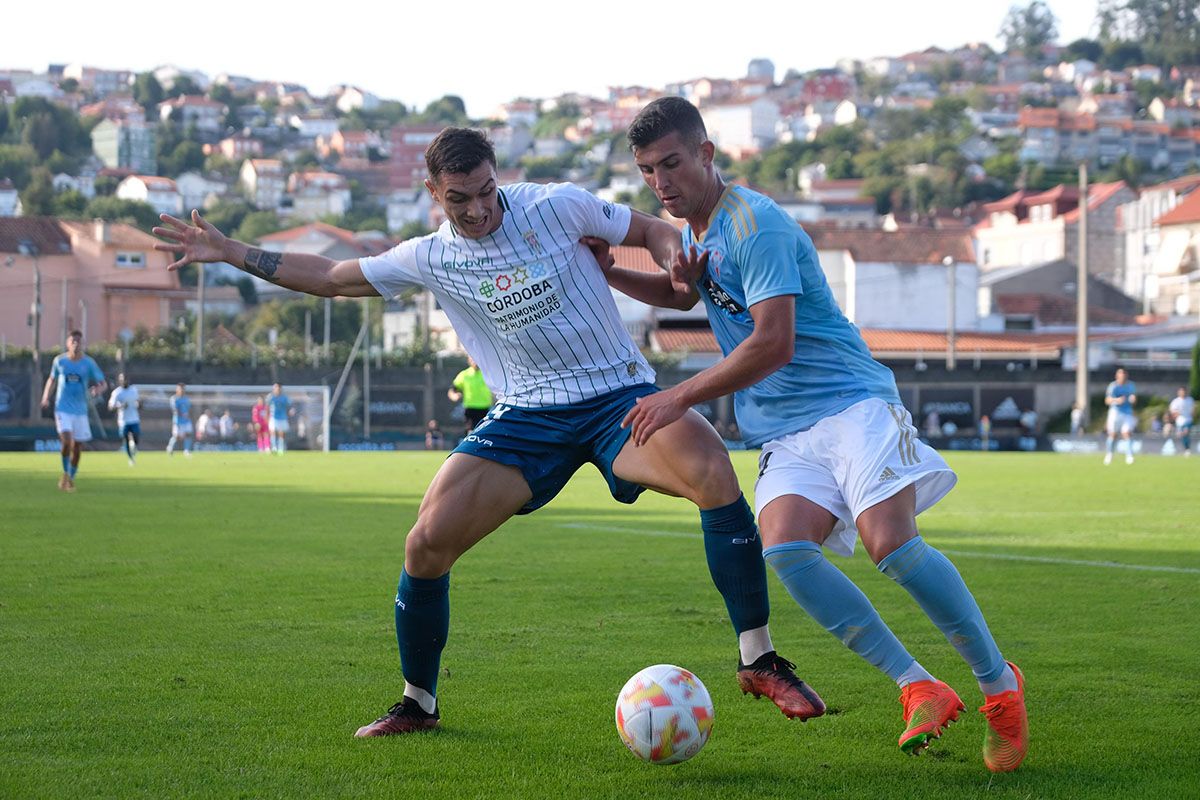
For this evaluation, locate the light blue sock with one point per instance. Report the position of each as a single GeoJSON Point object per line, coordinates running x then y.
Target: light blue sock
{"type": "Point", "coordinates": [1111, 443]}
{"type": "Point", "coordinates": [838, 605]}
{"type": "Point", "coordinates": [171, 445]}
{"type": "Point", "coordinates": [937, 587]}
{"type": "Point", "coordinates": [72, 469]}
{"type": "Point", "coordinates": [187, 445]}
{"type": "Point", "coordinates": [66, 464]}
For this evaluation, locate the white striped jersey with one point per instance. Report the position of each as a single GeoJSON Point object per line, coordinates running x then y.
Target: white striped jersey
{"type": "Point", "coordinates": [528, 301]}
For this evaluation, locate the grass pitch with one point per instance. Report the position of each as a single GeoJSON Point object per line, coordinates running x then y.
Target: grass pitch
{"type": "Point", "coordinates": [220, 626]}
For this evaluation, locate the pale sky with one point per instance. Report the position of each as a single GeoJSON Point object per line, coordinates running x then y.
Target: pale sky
{"type": "Point", "coordinates": [488, 53]}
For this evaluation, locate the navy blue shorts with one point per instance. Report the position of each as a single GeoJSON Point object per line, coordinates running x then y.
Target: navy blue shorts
{"type": "Point", "coordinates": [550, 443]}
{"type": "Point", "coordinates": [133, 429]}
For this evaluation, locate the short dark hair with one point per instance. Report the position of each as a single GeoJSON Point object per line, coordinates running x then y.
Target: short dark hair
{"type": "Point", "coordinates": [75, 335]}
{"type": "Point", "coordinates": [664, 116]}
{"type": "Point", "coordinates": [458, 151]}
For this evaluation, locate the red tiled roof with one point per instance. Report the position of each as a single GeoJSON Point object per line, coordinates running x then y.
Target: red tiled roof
{"type": "Point", "coordinates": [1007, 203]}
{"type": "Point", "coordinates": [368, 245]}
{"type": "Point", "coordinates": [1098, 195]}
{"type": "Point", "coordinates": [44, 232]}
{"type": "Point", "coordinates": [120, 234]}
{"type": "Point", "coordinates": [1186, 213]}
{"type": "Point", "coordinates": [1060, 192]}
{"type": "Point", "coordinates": [1181, 185]}
{"type": "Point", "coordinates": [157, 183]}
{"type": "Point", "coordinates": [905, 246]}
{"type": "Point", "coordinates": [884, 341]}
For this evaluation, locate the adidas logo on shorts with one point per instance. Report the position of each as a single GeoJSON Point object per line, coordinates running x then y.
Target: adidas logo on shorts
{"type": "Point", "coordinates": [888, 474]}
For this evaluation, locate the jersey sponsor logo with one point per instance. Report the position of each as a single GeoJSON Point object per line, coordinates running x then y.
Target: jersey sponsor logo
{"type": "Point", "coordinates": [466, 263]}
{"type": "Point", "coordinates": [478, 440]}
{"type": "Point", "coordinates": [719, 297]}
{"type": "Point", "coordinates": [515, 302]}
{"type": "Point", "coordinates": [607, 208]}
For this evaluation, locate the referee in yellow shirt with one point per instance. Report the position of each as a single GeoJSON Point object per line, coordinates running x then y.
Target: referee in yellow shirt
{"type": "Point", "coordinates": [476, 397]}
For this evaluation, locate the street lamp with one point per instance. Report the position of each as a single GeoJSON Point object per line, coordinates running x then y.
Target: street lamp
{"type": "Point", "coordinates": [951, 321]}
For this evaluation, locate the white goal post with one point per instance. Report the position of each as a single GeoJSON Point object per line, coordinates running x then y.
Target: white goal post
{"type": "Point", "coordinates": [310, 424]}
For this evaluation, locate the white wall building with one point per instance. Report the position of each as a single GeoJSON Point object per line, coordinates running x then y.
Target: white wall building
{"type": "Point", "coordinates": [160, 193]}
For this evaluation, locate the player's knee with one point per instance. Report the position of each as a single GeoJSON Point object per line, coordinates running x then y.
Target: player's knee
{"type": "Point", "coordinates": [712, 481]}
{"type": "Point", "coordinates": [425, 553]}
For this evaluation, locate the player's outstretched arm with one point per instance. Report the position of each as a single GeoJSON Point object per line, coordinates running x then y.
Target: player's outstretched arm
{"type": "Point", "coordinates": [312, 274]}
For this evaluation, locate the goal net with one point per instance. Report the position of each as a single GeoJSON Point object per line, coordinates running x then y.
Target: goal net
{"type": "Point", "coordinates": [309, 424]}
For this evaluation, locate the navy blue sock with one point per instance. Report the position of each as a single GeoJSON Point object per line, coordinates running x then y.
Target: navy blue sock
{"type": "Point", "coordinates": [422, 625]}
{"type": "Point", "coordinates": [735, 561]}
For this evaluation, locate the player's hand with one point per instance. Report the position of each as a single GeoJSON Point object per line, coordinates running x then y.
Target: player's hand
{"type": "Point", "coordinates": [652, 412]}
{"type": "Point", "coordinates": [199, 241]}
{"type": "Point", "coordinates": [601, 250]}
{"type": "Point", "coordinates": [45, 402]}
{"type": "Point", "coordinates": [687, 269]}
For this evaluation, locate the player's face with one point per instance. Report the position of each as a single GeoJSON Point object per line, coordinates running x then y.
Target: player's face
{"type": "Point", "coordinates": [470, 200]}
{"type": "Point", "coordinates": [1121, 376]}
{"type": "Point", "coordinates": [679, 174]}
{"type": "Point", "coordinates": [74, 346]}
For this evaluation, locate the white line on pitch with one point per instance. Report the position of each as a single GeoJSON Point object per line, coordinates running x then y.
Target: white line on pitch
{"type": "Point", "coordinates": [963, 553]}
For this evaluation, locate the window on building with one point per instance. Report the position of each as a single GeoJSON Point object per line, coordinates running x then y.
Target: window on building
{"type": "Point", "coordinates": [131, 260]}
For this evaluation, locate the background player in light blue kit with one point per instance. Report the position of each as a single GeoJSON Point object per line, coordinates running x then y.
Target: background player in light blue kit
{"type": "Point", "coordinates": [1120, 397]}
{"type": "Point", "coordinates": [840, 456]}
{"type": "Point", "coordinates": [181, 421]}
{"type": "Point", "coordinates": [279, 420]}
{"type": "Point", "coordinates": [72, 371]}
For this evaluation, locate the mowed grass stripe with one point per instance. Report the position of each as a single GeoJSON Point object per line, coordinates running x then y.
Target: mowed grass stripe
{"type": "Point", "coordinates": [219, 626]}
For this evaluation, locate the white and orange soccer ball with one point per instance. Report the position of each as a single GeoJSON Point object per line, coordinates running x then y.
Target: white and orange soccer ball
{"type": "Point", "coordinates": [664, 714]}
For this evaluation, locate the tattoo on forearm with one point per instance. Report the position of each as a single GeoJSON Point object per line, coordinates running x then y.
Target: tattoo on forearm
{"type": "Point", "coordinates": [261, 263]}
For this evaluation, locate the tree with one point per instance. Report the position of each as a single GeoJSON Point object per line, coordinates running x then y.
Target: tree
{"type": "Point", "coordinates": [16, 161]}
{"type": "Point", "coordinates": [1090, 49]}
{"type": "Point", "coordinates": [147, 91]}
{"type": "Point", "coordinates": [183, 85]}
{"type": "Point", "coordinates": [257, 225]}
{"type": "Point", "coordinates": [1027, 29]}
{"type": "Point", "coordinates": [38, 198]}
{"type": "Point", "coordinates": [446, 110]}
{"type": "Point", "coordinates": [114, 209]}
{"type": "Point", "coordinates": [69, 204]}
{"type": "Point", "coordinates": [106, 185]}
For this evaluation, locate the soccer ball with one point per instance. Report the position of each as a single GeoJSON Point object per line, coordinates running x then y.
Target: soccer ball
{"type": "Point", "coordinates": [664, 714]}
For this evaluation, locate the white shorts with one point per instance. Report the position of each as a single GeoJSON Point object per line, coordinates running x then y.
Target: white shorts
{"type": "Point", "coordinates": [852, 461]}
{"type": "Point", "coordinates": [75, 424]}
{"type": "Point", "coordinates": [278, 425]}
{"type": "Point", "coordinates": [1183, 422]}
{"type": "Point", "coordinates": [1119, 422]}
{"type": "Point", "coordinates": [182, 429]}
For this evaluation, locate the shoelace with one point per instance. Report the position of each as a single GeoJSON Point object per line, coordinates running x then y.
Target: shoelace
{"type": "Point", "coordinates": [994, 711]}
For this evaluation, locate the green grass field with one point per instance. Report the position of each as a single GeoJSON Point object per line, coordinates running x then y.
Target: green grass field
{"type": "Point", "coordinates": [220, 626]}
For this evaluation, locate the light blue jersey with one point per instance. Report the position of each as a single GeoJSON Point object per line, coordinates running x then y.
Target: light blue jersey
{"type": "Point", "coordinates": [181, 409]}
{"type": "Point", "coordinates": [279, 406]}
{"type": "Point", "coordinates": [756, 252]}
{"type": "Point", "coordinates": [1121, 392]}
{"type": "Point", "coordinates": [73, 378]}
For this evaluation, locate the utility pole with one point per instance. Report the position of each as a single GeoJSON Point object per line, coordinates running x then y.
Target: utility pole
{"type": "Point", "coordinates": [1081, 295]}
{"type": "Point", "coordinates": [366, 332]}
{"type": "Point", "coordinates": [200, 317]}
{"type": "Point", "coordinates": [328, 314]}
{"type": "Point", "coordinates": [308, 334]}
{"type": "Point", "coordinates": [27, 248]}
{"type": "Point", "coordinates": [63, 311]}
{"type": "Point", "coordinates": [83, 326]}
{"type": "Point", "coordinates": [951, 311]}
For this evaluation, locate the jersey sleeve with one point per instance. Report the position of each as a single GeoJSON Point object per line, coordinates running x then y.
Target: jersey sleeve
{"type": "Point", "coordinates": [56, 368]}
{"type": "Point", "coordinates": [588, 215]}
{"type": "Point", "coordinates": [395, 270]}
{"type": "Point", "coordinates": [770, 263]}
{"type": "Point", "coordinates": [97, 374]}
